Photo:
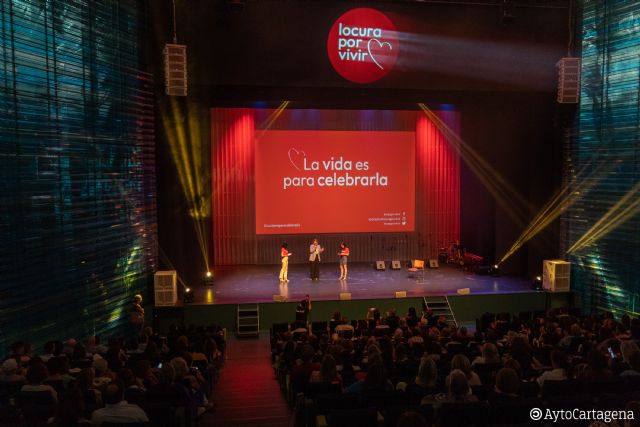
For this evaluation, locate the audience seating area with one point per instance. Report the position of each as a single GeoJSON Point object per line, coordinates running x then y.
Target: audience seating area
{"type": "Point", "coordinates": [422, 371]}
{"type": "Point", "coordinates": [165, 381]}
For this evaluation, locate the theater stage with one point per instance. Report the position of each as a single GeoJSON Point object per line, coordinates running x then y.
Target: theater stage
{"type": "Point", "coordinates": [259, 283]}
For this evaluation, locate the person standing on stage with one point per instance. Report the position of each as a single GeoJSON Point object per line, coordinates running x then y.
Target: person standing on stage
{"type": "Point", "coordinates": [284, 254]}
{"type": "Point", "coordinates": [136, 317]}
{"type": "Point", "coordinates": [344, 254]}
{"type": "Point", "coordinates": [314, 259]}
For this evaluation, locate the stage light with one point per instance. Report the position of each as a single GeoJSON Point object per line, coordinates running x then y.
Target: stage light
{"type": "Point", "coordinates": [495, 271]}
{"type": "Point", "coordinates": [536, 284]}
{"type": "Point", "coordinates": [208, 278]}
{"type": "Point", "coordinates": [188, 296]}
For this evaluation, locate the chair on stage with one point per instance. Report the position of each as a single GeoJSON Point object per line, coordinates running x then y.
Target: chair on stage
{"type": "Point", "coordinates": [417, 269]}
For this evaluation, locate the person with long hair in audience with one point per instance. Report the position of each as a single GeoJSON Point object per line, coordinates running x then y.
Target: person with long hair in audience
{"type": "Point", "coordinates": [458, 391]}
{"type": "Point", "coordinates": [489, 355]}
{"type": "Point", "coordinates": [327, 373]}
{"type": "Point", "coordinates": [461, 363]}
{"type": "Point", "coordinates": [344, 255]}
{"type": "Point", "coordinates": [424, 383]}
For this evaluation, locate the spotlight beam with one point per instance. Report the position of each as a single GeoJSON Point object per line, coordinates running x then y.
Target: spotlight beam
{"type": "Point", "coordinates": [559, 203]}
{"type": "Point", "coordinates": [269, 121]}
{"type": "Point", "coordinates": [505, 195]}
{"type": "Point", "coordinates": [624, 209]}
{"type": "Point", "coordinates": [185, 149]}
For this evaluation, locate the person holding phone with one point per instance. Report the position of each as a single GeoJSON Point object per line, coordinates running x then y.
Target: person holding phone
{"type": "Point", "coordinates": [314, 259]}
{"type": "Point", "coordinates": [344, 255]}
{"type": "Point", "coordinates": [284, 270]}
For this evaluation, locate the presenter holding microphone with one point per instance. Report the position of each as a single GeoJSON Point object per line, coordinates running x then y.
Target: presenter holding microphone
{"type": "Point", "coordinates": [285, 254]}
{"type": "Point", "coordinates": [344, 254]}
{"type": "Point", "coordinates": [314, 259]}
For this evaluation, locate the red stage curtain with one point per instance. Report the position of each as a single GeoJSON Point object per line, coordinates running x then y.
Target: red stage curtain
{"type": "Point", "coordinates": [232, 152]}
{"type": "Point", "coordinates": [438, 184]}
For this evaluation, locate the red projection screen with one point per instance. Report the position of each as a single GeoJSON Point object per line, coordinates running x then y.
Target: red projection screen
{"type": "Point", "coordinates": [334, 181]}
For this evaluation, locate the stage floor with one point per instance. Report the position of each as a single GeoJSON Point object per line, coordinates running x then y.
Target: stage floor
{"type": "Point", "coordinates": [259, 283]}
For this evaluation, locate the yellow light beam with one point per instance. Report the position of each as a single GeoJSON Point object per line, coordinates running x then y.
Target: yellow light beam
{"type": "Point", "coordinates": [269, 121]}
{"type": "Point", "coordinates": [563, 199]}
{"type": "Point", "coordinates": [619, 213]}
{"type": "Point", "coordinates": [510, 200]}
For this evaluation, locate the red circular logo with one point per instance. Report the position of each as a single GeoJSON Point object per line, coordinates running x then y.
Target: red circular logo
{"type": "Point", "coordinates": [363, 45]}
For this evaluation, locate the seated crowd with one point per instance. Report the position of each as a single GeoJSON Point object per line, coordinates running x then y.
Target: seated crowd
{"type": "Point", "coordinates": [163, 381]}
{"type": "Point", "coordinates": [420, 370]}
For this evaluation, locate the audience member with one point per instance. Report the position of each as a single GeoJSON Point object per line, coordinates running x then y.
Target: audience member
{"type": "Point", "coordinates": [561, 368]}
{"type": "Point", "coordinates": [461, 362]}
{"type": "Point", "coordinates": [116, 409]}
{"type": "Point", "coordinates": [36, 375]}
{"type": "Point", "coordinates": [10, 372]}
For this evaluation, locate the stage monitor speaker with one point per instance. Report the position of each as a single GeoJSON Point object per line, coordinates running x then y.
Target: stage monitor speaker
{"type": "Point", "coordinates": [433, 263]}
{"type": "Point", "coordinates": [464, 291]}
{"type": "Point", "coordinates": [568, 80]}
{"type": "Point", "coordinates": [345, 296]}
{"type": "Point", "coordinates": [165, 288]}
{"type": "Point", "coordinates": [380, 265]}
{"type": "Point", "coordinates": [279, 298]}
{"type": "Point", "coordinates": [396, 265]}
{"type": "Point", "coordinates": [401, 294]}
{"type": "Point", "coordinates": [556, 275]}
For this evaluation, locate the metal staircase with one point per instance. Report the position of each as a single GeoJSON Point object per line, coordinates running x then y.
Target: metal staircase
{"type": "Point", "coordinates": [440, 306]}
{"type": "Point", "coordinates": [248, 320]}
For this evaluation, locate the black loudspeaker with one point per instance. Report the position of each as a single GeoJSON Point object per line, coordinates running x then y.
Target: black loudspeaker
{"type": "Point", "coordinates": [380, 265]}
{"type": "Point", "coordinates": [482, 270]}
{"type": "Point", "coordinates": [433, 263]}
{"type": "Point", "coordinates": [395, 264]}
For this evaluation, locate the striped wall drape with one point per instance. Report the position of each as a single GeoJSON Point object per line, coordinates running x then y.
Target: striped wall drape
{"type": "Point", "coordinates": [437, 186]}
{"type": "Point", "coordinates": [604, 158]}
{"type": "Point", "coordinates": [234, 238]}
{"type": "Point", "coordinates": [77, 169]}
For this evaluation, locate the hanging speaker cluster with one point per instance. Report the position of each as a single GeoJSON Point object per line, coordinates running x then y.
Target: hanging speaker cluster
{"type": "Point", "coordinates": [175, 69]}
{"type": "Point", "coordinates": [568, 80]}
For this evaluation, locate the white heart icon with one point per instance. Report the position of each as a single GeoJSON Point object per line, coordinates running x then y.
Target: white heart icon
{"type": "Point", "coordinates": [381, 44]}
{"type": "Point", "coordinates": [296, 153]}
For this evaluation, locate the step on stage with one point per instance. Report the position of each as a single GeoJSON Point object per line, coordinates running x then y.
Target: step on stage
{"type": "Point", "coordinates": [259, 283]}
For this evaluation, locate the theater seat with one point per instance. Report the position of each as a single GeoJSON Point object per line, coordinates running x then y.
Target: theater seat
{"type": "Point", "coordinates": [463, 414]}
{"type": "Point", "coordinates": [137, 424]}
{"type": "Point", "coordinates": [359, 417]}
{"type": "Point", "coordinates": [513, 412]}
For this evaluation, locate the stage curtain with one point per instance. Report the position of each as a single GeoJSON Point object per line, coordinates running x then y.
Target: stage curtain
{"type": "Point", "coordinates": [233, 134]}
{"type": "Point", "coordinates": [437, 184]}
{"type": "Point", "coordinates": [437, 187]}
